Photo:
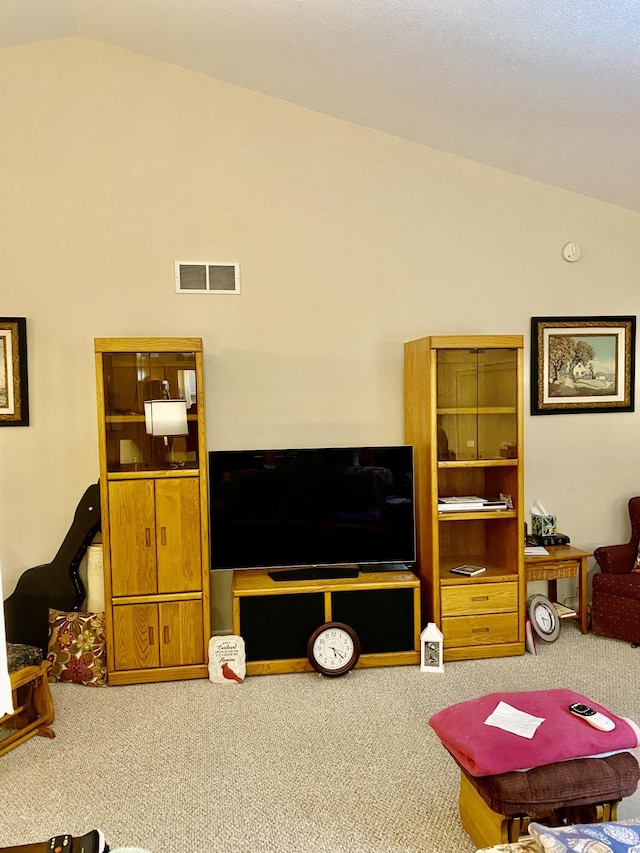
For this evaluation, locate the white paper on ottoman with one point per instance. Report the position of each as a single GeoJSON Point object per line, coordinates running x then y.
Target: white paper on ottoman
{"type": "Point", "coordinates": [227, 659]}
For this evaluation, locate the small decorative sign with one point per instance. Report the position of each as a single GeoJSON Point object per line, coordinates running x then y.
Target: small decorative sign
{"type": "Point", "coordinates": [431, 658]}
{"type": "Point", "coordinates": [227, 660]}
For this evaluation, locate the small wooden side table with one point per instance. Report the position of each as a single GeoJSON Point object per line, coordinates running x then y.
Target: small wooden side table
{"type": "Point", "coordinates": [562, 561]}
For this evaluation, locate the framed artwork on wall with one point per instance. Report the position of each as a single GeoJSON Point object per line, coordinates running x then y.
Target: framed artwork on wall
{"type": "Point", "coordinates": [582, 364]}
{"type": "Point", "coordinates": [14, 391]}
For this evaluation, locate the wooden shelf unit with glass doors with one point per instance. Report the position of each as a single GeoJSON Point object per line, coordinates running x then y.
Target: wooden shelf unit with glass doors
{"type": "Point", "coordinates": [153, 496]}
{"type": "Point", "coordinates": [464, 417]}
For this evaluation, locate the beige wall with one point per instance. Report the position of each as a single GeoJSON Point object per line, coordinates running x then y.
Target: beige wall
{"type": "Point", "coordinates": [113, 166]}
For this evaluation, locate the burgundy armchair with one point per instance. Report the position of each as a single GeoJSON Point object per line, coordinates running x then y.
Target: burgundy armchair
{"type": "Point", "coordinates": [615, 596]}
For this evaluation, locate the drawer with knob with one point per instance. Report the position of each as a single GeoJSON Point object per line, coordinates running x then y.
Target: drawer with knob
{"type": "Point", "coordinates": [471, 598]}
{"type": "Point", "coordinates": [489, 629]}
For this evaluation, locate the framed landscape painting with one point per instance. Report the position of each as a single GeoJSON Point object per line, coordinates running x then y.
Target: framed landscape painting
{"type": "Point", "coordinates": [582, 364]}
{"type": "Point", "coordinates": [14, 395]}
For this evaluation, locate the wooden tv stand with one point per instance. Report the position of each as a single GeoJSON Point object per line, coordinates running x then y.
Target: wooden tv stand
{"type": "Point", "coordinates": [276, 618]}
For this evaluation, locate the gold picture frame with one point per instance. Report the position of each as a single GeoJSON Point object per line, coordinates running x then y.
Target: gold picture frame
{"type": "Point", "coordinates": [582, 364]}
{"type": "Point", "coordinates": [14, 389]}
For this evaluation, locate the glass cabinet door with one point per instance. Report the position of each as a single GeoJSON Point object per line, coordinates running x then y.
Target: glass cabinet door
{"type": "Point", "coordinates": [151, 417]}
{"type": "Point", "coordinates": [476, 404]}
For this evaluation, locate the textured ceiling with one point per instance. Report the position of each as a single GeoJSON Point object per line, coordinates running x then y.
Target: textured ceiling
{"type": "Point", "coordinates": [548, 89]}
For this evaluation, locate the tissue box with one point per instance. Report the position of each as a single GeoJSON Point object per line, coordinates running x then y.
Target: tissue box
{"type": "Point", "coordinates": [543, 525]}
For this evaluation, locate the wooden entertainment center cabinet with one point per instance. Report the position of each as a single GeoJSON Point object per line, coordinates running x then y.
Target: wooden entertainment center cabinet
{"type": "Point", "coordinates": [276, 618]}
{"type": "Point", "coordinates": [464, 417]}
{"type": "Point", "coordinates": [153, 496]}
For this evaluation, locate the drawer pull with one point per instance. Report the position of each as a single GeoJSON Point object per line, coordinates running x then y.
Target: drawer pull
{"type": "Point", "coordinates": [479, 598]}
{"type": "Point", "coordinates": [480, 630]}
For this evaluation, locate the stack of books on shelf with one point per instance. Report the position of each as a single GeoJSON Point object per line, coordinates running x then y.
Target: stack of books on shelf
{"type": "Point", "coordinates": [470, 503]}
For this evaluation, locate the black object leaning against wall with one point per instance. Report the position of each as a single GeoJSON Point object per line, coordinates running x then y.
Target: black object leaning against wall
{"type": "Point", "coordinates": [56, 584]}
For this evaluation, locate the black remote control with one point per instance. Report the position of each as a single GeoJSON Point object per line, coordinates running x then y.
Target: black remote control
{"type": "Point", "coordinates": [93, 842]}
{"type": "Point", "coordinates": [60, 844]}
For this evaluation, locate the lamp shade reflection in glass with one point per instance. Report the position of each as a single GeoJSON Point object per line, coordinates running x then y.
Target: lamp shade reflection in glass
{"type": "Point", "coordinates": [168, 418]}
{"type": "Point", "coordinates": [165, 417]}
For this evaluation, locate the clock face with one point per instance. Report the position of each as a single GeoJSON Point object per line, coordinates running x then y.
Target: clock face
{"type": "Point", "coordinates": [544, 618]}
{"type": "Point", "coordinates": [333, 649]}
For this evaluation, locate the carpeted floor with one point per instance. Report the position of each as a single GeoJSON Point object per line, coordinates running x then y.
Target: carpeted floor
{"type": "Point", "coordinates": [284, 763]}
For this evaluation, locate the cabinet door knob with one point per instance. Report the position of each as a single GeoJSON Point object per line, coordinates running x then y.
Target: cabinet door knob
{"type": "Point", "coordinates": [163, 535]}
{"type": "Point", "coordinates": [147, 537]}
{"type": "Point", "coordinates": [151, 636]}
{"type": "Point", "coordinates": [166, 634]}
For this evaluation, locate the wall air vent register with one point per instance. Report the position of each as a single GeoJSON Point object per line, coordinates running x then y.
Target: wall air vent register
{"type": "Point", "coordinates": [216, 277]}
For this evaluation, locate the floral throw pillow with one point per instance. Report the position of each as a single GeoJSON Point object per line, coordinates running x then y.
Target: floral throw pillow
{"type": "Point", "coordinates": [636, 565]}
{"type": "Point", "coordinates": [77, 648]}
{"type": "Point", "coordinates": [617, 837]}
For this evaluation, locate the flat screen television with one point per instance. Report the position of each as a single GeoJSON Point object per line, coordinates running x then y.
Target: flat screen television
{"type": "Point", "coordinates": [312, 507]}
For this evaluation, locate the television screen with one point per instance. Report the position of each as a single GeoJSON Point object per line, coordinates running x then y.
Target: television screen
{"type": "Point", "coordinates": [311, 507]}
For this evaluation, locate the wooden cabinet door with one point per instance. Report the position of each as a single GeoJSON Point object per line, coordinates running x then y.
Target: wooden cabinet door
{"type": "Point", "coordinates": [178, 535]}
{"type": "Point", "coordinates": [181, 633]}
{"type": "Point", "coordinates": [135, 636]}
{"type": "Point", "coordinates": [132, 537]}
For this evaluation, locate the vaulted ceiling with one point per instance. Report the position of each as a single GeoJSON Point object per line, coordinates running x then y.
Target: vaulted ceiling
{"type": "Point", "coordinates": [547, 89]}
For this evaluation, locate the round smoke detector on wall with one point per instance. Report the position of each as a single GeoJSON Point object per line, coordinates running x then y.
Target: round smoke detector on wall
{"type": "Point", "coordinates": [571, 252]}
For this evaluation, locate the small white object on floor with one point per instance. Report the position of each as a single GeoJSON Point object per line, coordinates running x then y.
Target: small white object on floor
{"type": "Point", "coordinates": [512, 720]}
{"type": "Point", "coordinates": [227, 659]}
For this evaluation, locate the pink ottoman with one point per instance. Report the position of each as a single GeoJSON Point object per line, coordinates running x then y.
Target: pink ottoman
{"type": "Point", "coordinates": [562, 771]}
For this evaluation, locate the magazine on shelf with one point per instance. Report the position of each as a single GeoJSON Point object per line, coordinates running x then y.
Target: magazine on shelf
{"type": "Point", "coordinates": [470, 503]}
{"type": "Point", "coordinates": [468, 570]}
{"type": "Point", "coordinates": [462, 499]}
{"type": "Point", "coordinates": [563, 611]}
